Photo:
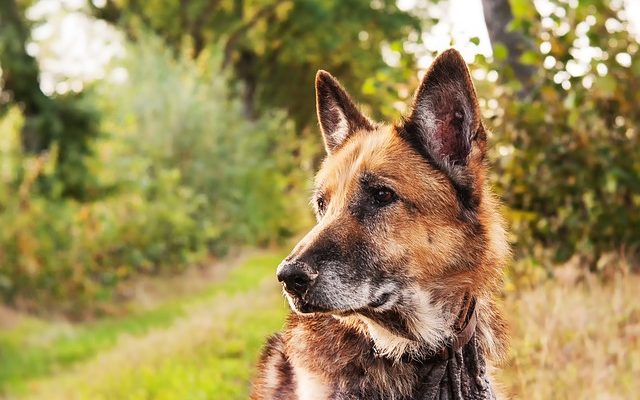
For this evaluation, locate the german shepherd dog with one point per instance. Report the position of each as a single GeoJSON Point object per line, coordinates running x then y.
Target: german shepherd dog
{"type": "Point", "coordinates": [393, 291]}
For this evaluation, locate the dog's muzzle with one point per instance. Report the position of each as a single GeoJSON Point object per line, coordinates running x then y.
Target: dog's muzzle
{"type": "Point", "coordinates": [296, 277]}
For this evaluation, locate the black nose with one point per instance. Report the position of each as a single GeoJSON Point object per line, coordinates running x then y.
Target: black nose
{"type": "Point", "coordinates": [296, 276]}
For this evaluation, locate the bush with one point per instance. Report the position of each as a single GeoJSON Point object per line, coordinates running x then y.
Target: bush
{"type": "Point", "coordinates": [66, 254]}
{"type": "Point", "coordinates": [178, 113]}
{"type": "Point", "coordinates": [568, 159]}
{"type": "Point", "coordinates": [180, 172]}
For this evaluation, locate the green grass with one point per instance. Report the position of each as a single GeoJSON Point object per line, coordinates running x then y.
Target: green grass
{"type": "Point", "coordinates": [38, 348]}
{"type": "Point", "coordinates": [216, 365]}
{"type": "Point", "coordinates": [577, 340]}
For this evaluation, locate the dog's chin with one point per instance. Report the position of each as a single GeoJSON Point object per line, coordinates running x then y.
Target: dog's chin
{"type": "Point", "coordinates": [305, 307]}
{"type": "Point", "coordinates": [302, 307]}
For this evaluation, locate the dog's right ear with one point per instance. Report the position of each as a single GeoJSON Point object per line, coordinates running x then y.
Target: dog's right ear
{"type": "Point", "coordinates": [337, 114]}
{"type": "Point", "coordinates": [445, 125]}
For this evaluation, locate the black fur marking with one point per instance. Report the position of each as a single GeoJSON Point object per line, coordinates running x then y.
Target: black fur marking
{"type": "Point", "coordinates": [287, 384]}
{"type": "Point", "coordinates": [391, 320]}
{"type": "Point", "coordinates": [364, 205]}
{"type": "Point", "coordinates": [324, 249]}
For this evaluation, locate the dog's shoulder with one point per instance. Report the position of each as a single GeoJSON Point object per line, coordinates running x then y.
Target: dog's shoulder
{"type": "Point", "coordinates": [284, 374]}
{"type": "Point", "coordinates": [274, 378]}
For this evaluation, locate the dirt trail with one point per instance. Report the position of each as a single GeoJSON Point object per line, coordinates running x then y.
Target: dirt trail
{"type": "Point", "coordinates": [186, 334]}
{"type": "Point", "coordinates": [8, 317]}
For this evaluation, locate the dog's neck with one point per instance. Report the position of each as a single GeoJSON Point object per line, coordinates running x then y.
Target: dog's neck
{"type": "Point", "coordinates": [353, 370]}
{"type": "Point", "coordinates": [458, 370]}
{"type": "Point", "coordinates": [463, 329]}
{"type": "Point", "coordinates": [459, 377]}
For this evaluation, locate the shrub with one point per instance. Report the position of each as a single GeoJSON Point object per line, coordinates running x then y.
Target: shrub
{"type": "Point", "coordinates": [181, 173]}
{"type": "Point", "coordinates": [568, 153]}
{"type": "Point", "coordinates": [178, 113]}
{"type": "Point", "coordinates": [66, 254]}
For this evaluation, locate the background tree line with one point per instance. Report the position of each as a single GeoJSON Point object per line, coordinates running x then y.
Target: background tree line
{"type": "Point", "coordinates": [211, 140]}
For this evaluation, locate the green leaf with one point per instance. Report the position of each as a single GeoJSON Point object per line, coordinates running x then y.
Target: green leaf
{"type": "Point", "coordinates": [530, 58]}
{"type": "Point", "coordinates": [523, 9]}
{"type": "Point", "coordinates": [607, 85]}
{"type": "Point", "coordinates": [500, 52]}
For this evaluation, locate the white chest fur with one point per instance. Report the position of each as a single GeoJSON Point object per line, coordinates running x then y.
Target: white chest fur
{"type": "Point", "coordinates": [309, 386]}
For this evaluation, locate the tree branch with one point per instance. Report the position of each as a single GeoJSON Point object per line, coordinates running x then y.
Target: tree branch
{"type": "Point", "coordinates": [497, 16]}
{"type": "Point", "coordinates": [233, 39]}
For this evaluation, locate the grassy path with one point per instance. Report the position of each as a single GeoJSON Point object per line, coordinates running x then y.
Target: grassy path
{"type": "Point", "coordinates": [570, 340]}
{"type": "Point", "coordinates": [198, 346]}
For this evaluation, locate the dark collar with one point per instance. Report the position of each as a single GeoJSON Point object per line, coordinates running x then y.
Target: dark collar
{"type": "Point", "coordinates": [458, 371]}
{"type": "Point", "coordinates": [462, 376]}
{"type": "Point", "coordinates": [464, 333]}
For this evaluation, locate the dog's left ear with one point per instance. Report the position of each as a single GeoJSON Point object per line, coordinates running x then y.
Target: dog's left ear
{"type": "Point", "coordinates": [445, 121]}
{"type": "Point", "coordinates": [337, 114]}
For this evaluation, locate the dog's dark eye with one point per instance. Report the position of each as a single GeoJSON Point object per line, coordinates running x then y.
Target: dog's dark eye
{"type": "Point", "coordinates": [383, 196]}
{"type": "Point", "coordinates": [321, 204]}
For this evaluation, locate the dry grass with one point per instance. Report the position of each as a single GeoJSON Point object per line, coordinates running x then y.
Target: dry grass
{"type": "Point", "coordinates": [575, 341]}
{"type": "Point", "coordinates": [569, 341]}
{"type": "Point", "coordinates": [202, 355]}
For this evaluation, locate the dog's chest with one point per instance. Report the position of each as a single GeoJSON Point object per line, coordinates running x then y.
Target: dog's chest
{"type": "Point", "coordinates": [310, 385]}
{"type": "Point", "coordinates": [462, 377]}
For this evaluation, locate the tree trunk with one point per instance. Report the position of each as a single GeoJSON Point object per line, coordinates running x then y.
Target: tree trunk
{"type": "Point", "coordinates": [497, 16]}
{"type": "Point", "coordinates": [47, 119]}
{"type": "Point", "coordinates": [20, 77]}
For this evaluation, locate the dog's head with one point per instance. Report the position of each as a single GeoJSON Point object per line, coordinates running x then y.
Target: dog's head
{"type": "Point", "coordinates": [406, 226]}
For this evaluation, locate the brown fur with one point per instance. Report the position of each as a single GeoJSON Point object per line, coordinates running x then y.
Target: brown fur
{"type": "Point", "coordinates": [443, 234]}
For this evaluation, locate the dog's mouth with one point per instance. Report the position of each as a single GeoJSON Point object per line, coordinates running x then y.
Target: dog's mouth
{"type": "Point", "coordinates": [301, 306]}
{"type": "Point", "coordinates": [304, 305]}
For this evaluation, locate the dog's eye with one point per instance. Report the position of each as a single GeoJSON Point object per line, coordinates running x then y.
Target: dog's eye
{"type": "Point", "coordinates": [321, 204]}
{"type": "Point", "coordinates": [383, 196]}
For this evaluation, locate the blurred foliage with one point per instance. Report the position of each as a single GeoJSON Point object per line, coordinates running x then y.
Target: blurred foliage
{"type": "Point", "coordinates": [61, 252]}
{"type": "Point", "coordinates": [567, 155]}
{"type": "Point", "coordinates": [187, 174]}
{"type": "Point", "coordinates": [203, 144]}
{"type": "Point", "coordinates": [66, 121]}
{"type": "Point", "coordinates": [275, 47]}
{"type": "Point", "coordinates": [176, 113]}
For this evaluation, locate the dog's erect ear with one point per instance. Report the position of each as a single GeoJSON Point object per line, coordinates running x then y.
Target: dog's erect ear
{"type": "Point", "coordinates": [337, 114]}
{"type": "Point", "coordinates": [445, 121]}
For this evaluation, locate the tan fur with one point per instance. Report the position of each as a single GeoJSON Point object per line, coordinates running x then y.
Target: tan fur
{"type": "Point", "coordinates": [424, 239]}
{"type": "Point", "coordinates": [383, 152]}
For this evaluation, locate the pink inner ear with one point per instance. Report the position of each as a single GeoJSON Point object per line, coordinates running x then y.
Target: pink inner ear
{"type": "Point", "coordinates": [449, 132]}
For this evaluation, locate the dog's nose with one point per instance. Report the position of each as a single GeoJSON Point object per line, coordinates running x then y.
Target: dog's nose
{"type": "Point", "coordinates": [296, 277]}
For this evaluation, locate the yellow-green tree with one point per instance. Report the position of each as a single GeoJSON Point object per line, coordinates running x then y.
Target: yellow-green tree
{"type": "Point", "coordinates": [274, 47]}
